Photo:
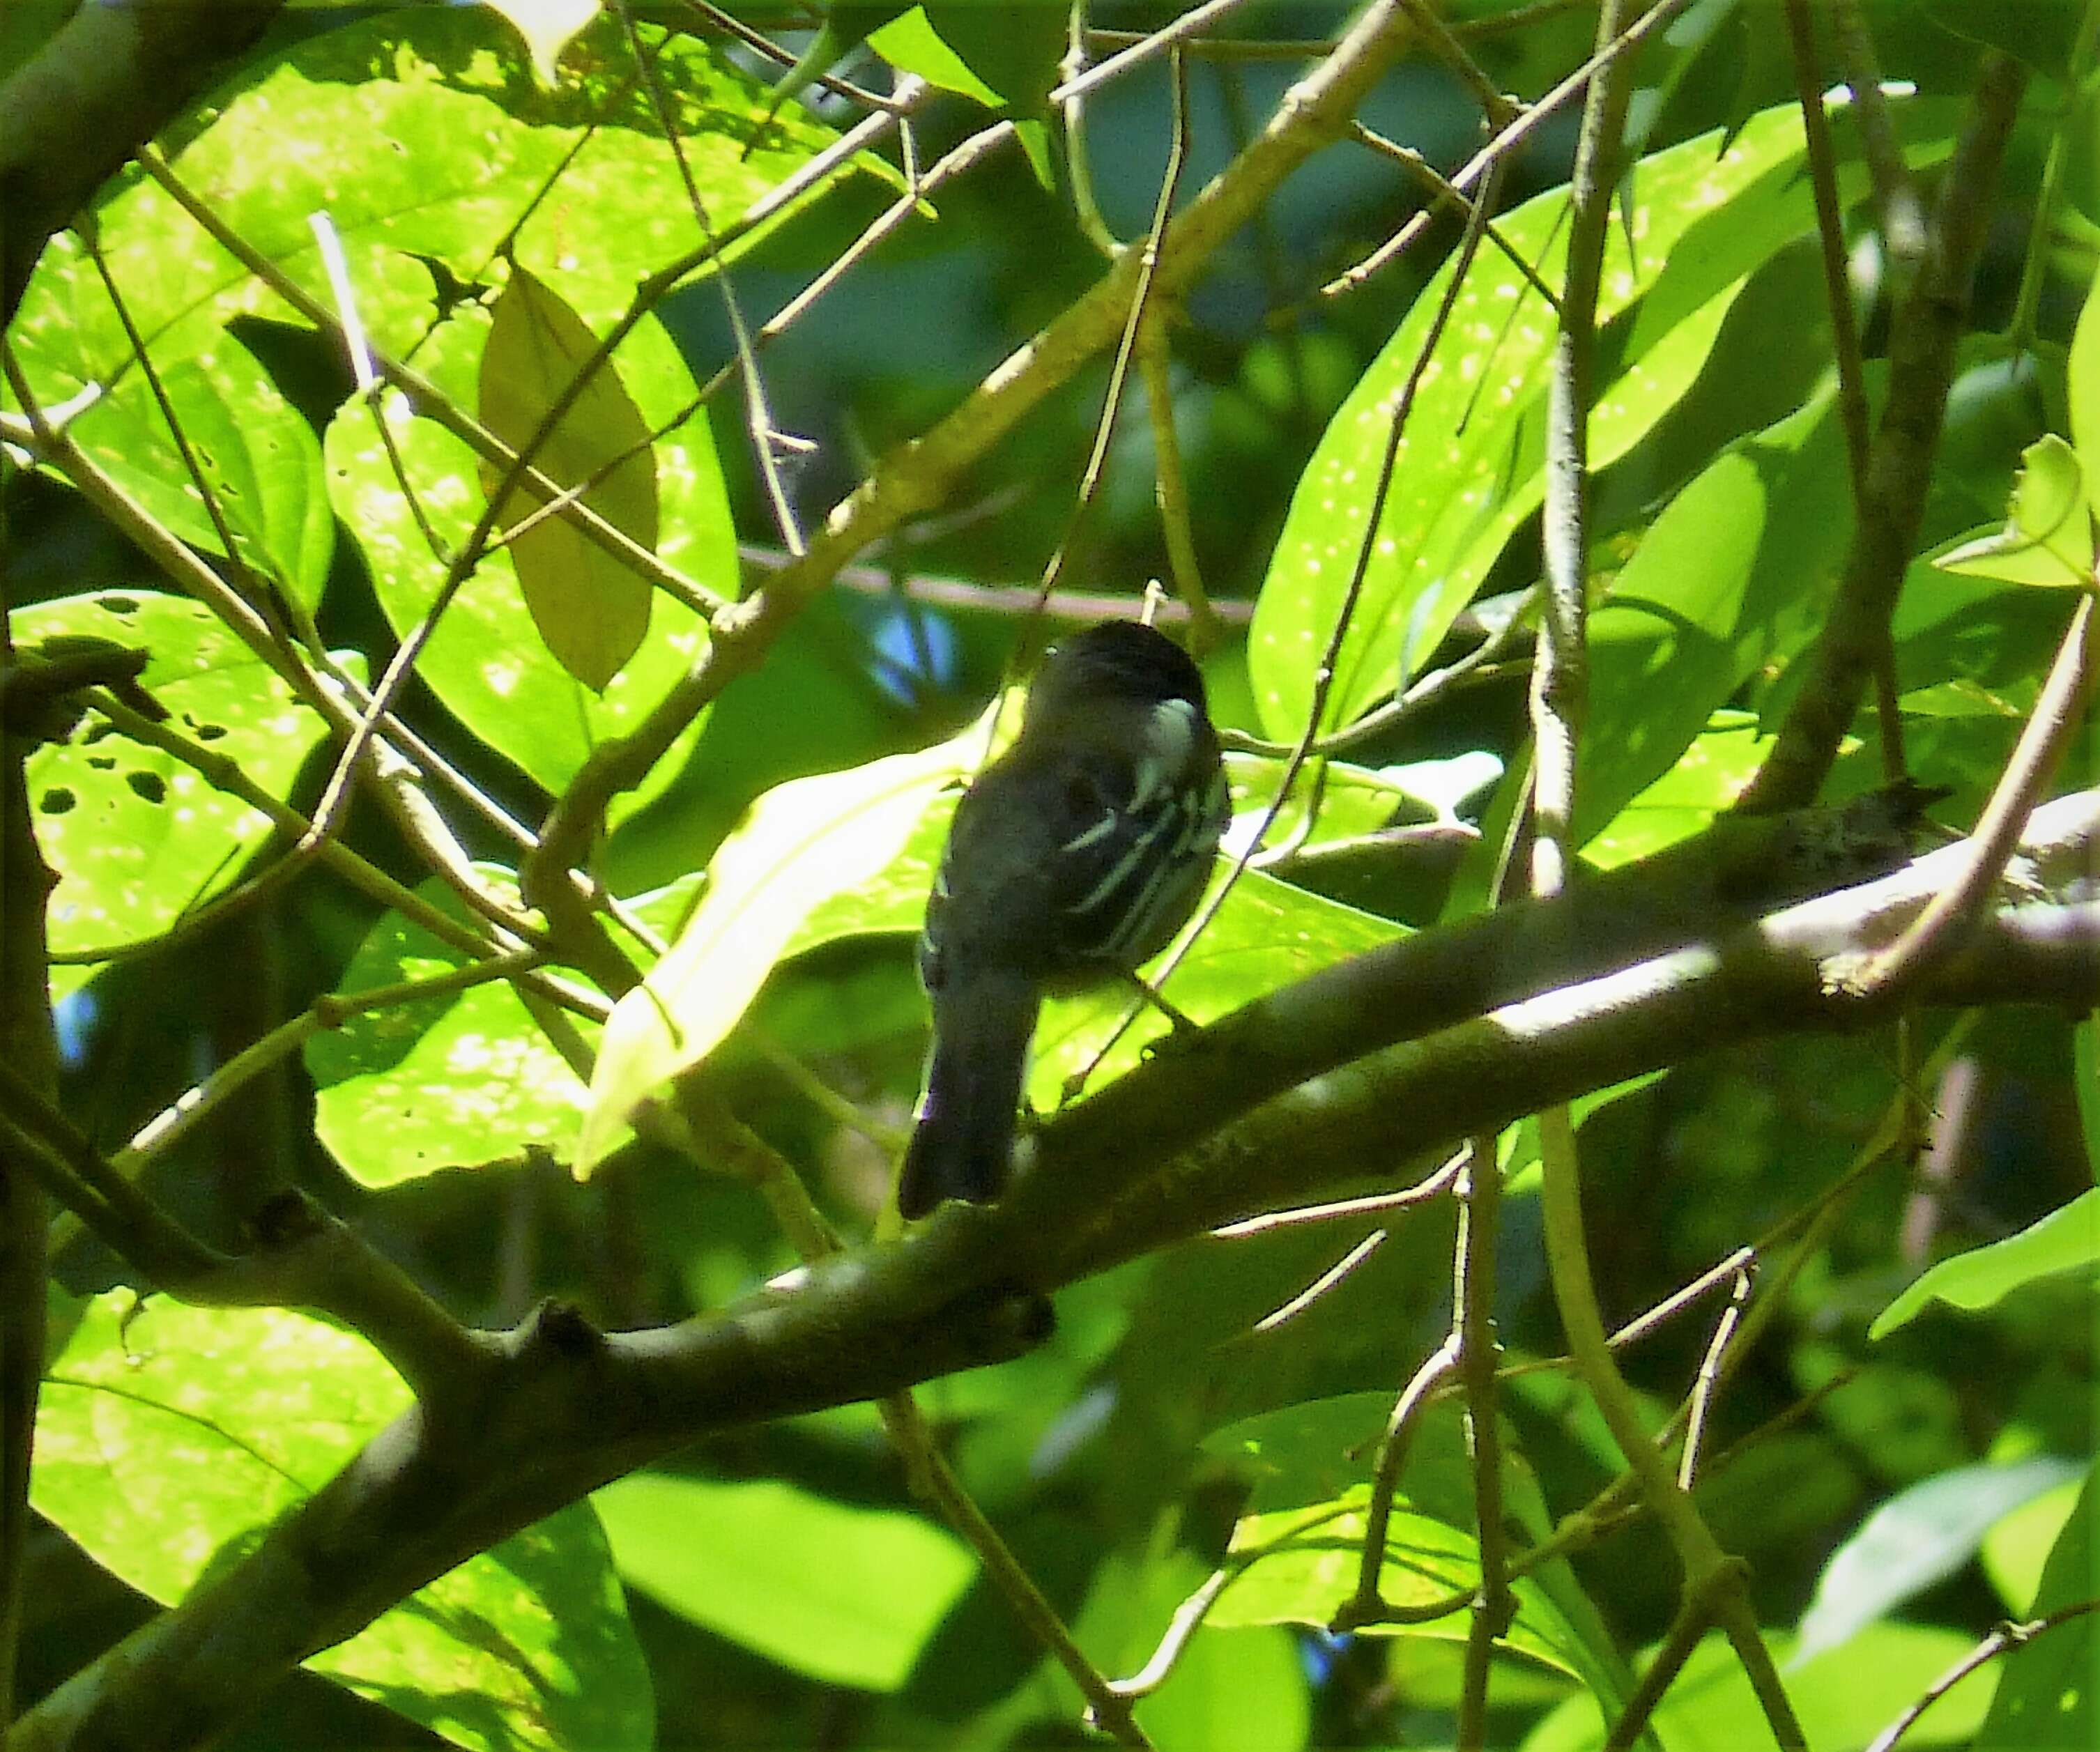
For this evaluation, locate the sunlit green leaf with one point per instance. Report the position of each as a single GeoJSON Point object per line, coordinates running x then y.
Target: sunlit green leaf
{"type": "Point", "coordinates": [591, 607]}
{"type": "Point", "coordinates": [847, 1595]}
{"type": "Point", "coordinates": [423, 132]}
{"type": "Point", "coordinates": [139, 839]}
{"type": "Point", "coordinates": [1842, 1698]}
{"type": "Point", "coordinates": [256, 452]}
{"type": "Point", "coordinates": [1702, 784]}
{"type": "Point", "coordinates": [457, 1080]}
{"type": "Point", "coordinates": [2068, 1239]}
{"type": "Point", "coordinates": [169, 1437]}
{"type": "Point", "coordinates": [2048, 536]}
{"type": "Point", "coordinates": [1730, 579]}
{"type": "Point", "coordinates": [2047, 1701]}
{"type": "Point", "coordinates": [2016, 1547]}
{"type": "Point", "coordinates": [802, 843]}
{"type": "Point", "coordinates": [1471, 472]}
{"type": "Point", "coordinates": [1266, 934]}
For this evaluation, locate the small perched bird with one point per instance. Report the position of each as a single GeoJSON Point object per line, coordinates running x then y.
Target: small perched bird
{"type": "Point", "coordinates": [1073, 856]}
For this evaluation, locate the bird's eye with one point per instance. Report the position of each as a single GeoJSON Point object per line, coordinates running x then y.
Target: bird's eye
{"type": "Point", "coordinates": [1081, 796]}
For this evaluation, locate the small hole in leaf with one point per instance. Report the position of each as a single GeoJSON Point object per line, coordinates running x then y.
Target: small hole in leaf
{"type": "Point", "coordinates": [150, 786]}
{"type": "Point", "coordinates": [120, 605]}
{"type": "Point", "coordinates": [210, 732]}
{"type": "Point", "coordinates": [96, 732]}
{"type": "Point", "coordinates": [103, 763]}
{"type": "Point", "coordinates": [56, 800]}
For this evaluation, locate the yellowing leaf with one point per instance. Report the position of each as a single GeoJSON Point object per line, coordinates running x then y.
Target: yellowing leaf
{"type": "Point", "coordinates": [591, 609]}
{"type": "Point", "coordinates": [802, 843]}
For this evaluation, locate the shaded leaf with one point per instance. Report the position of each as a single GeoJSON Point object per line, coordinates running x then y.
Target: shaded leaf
{"type": "Point", "coordinates": [1918, 1537]}
{"type": "Point", "coordinates": [2046, 1700]}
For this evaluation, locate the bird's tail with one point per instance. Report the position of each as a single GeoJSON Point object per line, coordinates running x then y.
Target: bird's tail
{"type": "Point", "coordinates": [963, 1141]}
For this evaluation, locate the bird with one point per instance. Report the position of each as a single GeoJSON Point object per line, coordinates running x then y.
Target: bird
{"type": "Point", "coordinates": [1072, 859]}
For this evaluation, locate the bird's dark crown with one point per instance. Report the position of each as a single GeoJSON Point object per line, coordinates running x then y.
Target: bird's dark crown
{"type": "Point", "coordinates": [1117, 660]}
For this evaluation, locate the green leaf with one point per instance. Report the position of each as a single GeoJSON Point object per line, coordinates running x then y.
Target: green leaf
{"type": "Point", "coordinates": [1012, 51]}
{"type": "Point", "coordinates": [802, 843]}
{"type": "Point", "coordinates": [1302, 1533]}
{"type": "Point", "coordinates": [1702, 785]}
{"type": "Point", "coordinates": [1266, 934]}
{"type": "Point", "coordinates": [1917, 1539]}
{"type": "Point", "coordinates": [1726, 581]}
{"type": "Point", "coordinates": [255, 450]}
{"type": "Point", "coordinates": [2082, 386]}
{"type": "Point", "coordinates": [2016, 1549]}
{"type": "Point", "coordinates": [1472, 470]}
{"type": "Point", "coordinates": [590, 607]}
{"type": "Point", "coordinates": [849, 1595]}
{"type": "Point", "coordinates": [2068, 1239]}
{"type": "Point", "coordinates": [423, 134]}
{"type": "Point", "coordinates": [2046, 1700]}
{"type": "Point", "coordinates": [450, 1081]}
{"type": "Point", "coordinates": [487, 660]}
{"type": "Point", "coordinates": [168, 1438]}
{"type": "Point", "coordinates": [912, 45]}
{"type": "Point", "coordinates": [138, 839]}
{"type": "Point", "coordinates": [2048, 536]}
{"type": "Point", "coordinates": [1236, 1687]}
{"type": "Point", "coordinates": [1843, 1697]}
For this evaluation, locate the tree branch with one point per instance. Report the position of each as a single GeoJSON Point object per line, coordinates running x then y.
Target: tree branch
{"type": "Point", "coordinates": [109, 79]}
{"type": "Point", "coordinates": [1189, 1138]}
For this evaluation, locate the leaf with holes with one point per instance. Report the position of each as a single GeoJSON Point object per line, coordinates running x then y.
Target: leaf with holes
{"type": "Point", "coordinates": [424, 136]}
{"type": "Point", "coordinates": [590, 607]}
{"type": "Point", "coordinates": [139, 839]}
{"type": "Point", "coordinates": [168, 1438]}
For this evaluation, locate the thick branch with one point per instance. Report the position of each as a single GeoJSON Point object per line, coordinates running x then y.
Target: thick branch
{"type": "Point", "coordinates": [109, 80]}
{"type": "Point", "coordinates": [1162, 1155]}
{"type": "Point", "coordinates": [1928, 326]}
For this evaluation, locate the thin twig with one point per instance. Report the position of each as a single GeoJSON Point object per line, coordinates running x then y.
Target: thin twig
{"type": "Point", "coordinates": [1928, 326]}
{"type": "Point", "coordinates": [1432, 1187]}
{"type": "Point", "coordinates": [1708, 1381]}
{"type": "Point", "coordinates": [2007, 1637]}
{"type": "Point", "coordinates": [1503, 146]}
{"type": "Point", "coordinates": [1448, 193]}
{"type": "Point", "coordinates": [1368, 1603]}
{"type": "Point", "coordinates": [2057, 717]}
{"type": "Point", "coordinates": [1473, 1312]}
{"type": "Point", "coordinates": [1170, 487]}
{"type": "Point", "coordinates": [1845, 337]}
{"type": "Point", "coordinates": [1148, 267]}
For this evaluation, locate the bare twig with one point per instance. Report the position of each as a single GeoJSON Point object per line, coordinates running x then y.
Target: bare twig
{"type": "Point", "coordinates": [2056, 717]}
{"type": "Point", "coordinates": [1844, 334]}
{"type": "Point", "coordinates": [1922, 347]}
{"type": "Point", "coordinates": [2007, 1637]}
